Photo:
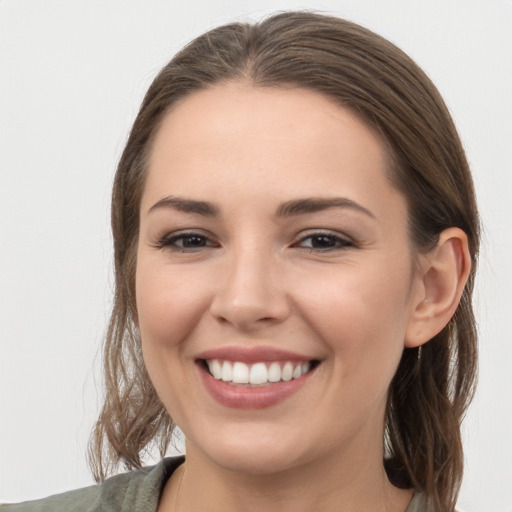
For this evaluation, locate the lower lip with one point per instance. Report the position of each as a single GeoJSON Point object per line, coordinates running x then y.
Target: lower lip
{"type": "Point", "coordinates": [244, 397]}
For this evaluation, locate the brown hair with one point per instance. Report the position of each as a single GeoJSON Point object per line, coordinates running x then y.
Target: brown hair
{"type": "Point", "coordinates": [366, 73]}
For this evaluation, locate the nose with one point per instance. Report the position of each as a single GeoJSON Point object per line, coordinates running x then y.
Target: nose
{"type": "Point", "coordinates": [250, 293]}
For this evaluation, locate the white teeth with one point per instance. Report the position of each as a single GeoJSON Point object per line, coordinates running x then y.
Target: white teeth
{"type": "Point", "coordinates": [287, 372]}
{"type": "Point", "coordinates": [227, 372]}
{"type": "Point", "coordinates": [274, 372]}
{"type": "Point", "coordinates": [258, 373]}
{"type": "Point", "coordinates": [240, 373]}
{"type": "Point", "coordinates": [215, 369]}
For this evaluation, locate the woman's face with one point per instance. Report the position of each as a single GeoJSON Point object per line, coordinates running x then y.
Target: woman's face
{"type": "Point", "coordinates": [272, 248]}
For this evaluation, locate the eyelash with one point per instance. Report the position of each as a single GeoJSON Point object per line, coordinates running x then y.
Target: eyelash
{"type": "Point", "coordinates": [171, 242]}
{"type": "Point", "coordinates": [340, 242]}
{"type": "Point", "coordinates": [176, 242]}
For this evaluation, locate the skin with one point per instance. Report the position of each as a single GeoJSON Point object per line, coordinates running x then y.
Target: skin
{"type": "Point", "coordinates": [255, 279]}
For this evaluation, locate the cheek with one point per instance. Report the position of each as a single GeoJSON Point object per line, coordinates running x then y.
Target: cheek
{"type": "Point", "coordinates": [168, 303]}
{"type": "Point", "coordinates": [361, 314]}
{"type": "Point", "coordinates": [169, 308]}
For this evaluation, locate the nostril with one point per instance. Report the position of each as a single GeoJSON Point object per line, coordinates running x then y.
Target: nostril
{"type": "Point", "coordinates": [248, 315]}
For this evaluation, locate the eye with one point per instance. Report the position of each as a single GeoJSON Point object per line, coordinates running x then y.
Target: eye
{"type": "Point", "coordinates": [324, 242]}
{"type": "Point", "coordinates": [186, 242]}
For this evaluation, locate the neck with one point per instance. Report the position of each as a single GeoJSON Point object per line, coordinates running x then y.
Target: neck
{"type": "Point", "coordinates": [336, 482]}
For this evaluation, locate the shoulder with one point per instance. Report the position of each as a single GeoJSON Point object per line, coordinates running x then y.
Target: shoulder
{"type": "Point", "coordinates": [136, 491]}
{"type": "Point", "coordinates": [84, 500]}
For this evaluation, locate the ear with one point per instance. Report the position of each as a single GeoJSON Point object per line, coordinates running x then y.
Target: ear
{"type": "Point", "coordinates": [442, 276]}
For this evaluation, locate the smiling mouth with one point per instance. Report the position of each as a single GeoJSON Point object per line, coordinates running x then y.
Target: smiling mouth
{"type": "Point", "coordinates": [240, 374]}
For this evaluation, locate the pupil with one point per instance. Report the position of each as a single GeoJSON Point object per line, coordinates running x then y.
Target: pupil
{"type": "Point", "coordinates": [323, 241]}
{"type": "Point", "coordinates": [193, 241]}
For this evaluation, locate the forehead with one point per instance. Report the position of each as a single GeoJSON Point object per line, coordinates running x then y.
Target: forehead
{"type": "Point", "coordinates": [238, 139]}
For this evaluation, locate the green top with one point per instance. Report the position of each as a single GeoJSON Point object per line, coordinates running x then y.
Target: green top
{"type": "Point", "coordinates": [137, 491]}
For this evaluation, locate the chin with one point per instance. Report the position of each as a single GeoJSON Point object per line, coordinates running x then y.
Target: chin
{"type": "Point", "coordinates": [256, 462]}
{"type": "Point", "coordinates": [252, 451]}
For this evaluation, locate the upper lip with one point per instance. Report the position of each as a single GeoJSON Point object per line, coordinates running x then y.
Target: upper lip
{"type": "Point", "coordinates": [251, 355]}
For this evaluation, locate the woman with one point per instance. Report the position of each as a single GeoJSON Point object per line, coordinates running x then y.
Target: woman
{"type": "Point", "coordinates": [295, 235]}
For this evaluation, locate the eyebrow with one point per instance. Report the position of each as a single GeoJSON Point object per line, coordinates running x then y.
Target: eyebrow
{"type": "Point", "coordinates": [186, 205]}
{"type": "Point", "coordinates": [287, 209]}
{"type": "Point", "coordinates": [317, 204]}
